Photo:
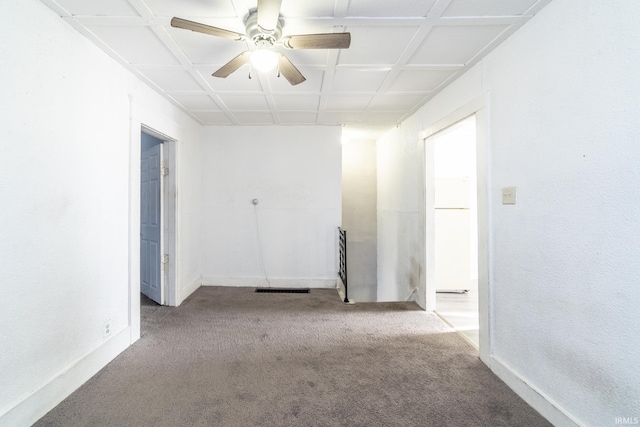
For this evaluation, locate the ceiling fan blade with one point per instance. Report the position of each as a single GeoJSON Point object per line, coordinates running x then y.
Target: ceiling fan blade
{"type": "Point", "coordinates": [268, 14]}
{"type": "Point", "coordinates": [206, 29]}
{"type": "Point", "coordinates": [318, 41]}
{"type": "Point", "coordinates": [233, 65]}
{"type": "Point", "coordinates": [289, 71]}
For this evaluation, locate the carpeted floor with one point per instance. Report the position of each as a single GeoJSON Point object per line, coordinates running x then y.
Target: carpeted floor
{"type": "Point", "coordinates": [233, 357]}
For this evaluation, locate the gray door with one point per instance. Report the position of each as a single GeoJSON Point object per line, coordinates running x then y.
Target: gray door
{"type": "Point", "coordinates": [150, 218]}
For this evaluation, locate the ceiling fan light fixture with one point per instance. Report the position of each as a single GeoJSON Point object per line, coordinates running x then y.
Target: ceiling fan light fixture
{"type": "Point", "coordinates": [264, 30]}
{"type": "Point", "coordinates": [264, 59]}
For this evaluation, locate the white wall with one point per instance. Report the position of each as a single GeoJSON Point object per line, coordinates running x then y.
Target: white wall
{"type": "Point", "coordinates": [294, 172]}
{"type": "Point", "coordinates": [64, 185]}
{"type": "Point", "coordinates": [359, 217]}
{"type": "Point", "coordinates": [400, 171]}
{"type": "Point", "coordinates": [563, 128]}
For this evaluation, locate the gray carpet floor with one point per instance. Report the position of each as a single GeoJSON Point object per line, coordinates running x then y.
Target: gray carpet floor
{"type": "Point", "coordinates": [233, 357]}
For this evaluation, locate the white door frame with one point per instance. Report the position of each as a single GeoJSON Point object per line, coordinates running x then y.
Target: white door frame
{"type": "Point", "coordinates": [162, 214]}
{"type": "Point", "coordinates": [167, 215]}
{"type": "Point", "coordinates": [478, 107]}
{"type": "Point", "coordinates": [142, 120]}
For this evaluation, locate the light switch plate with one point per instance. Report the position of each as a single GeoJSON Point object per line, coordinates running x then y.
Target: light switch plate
{"type": "Point", "coordinates": [509, 196]}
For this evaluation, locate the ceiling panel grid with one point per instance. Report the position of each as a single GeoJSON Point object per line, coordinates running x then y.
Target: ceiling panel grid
{"type": "Point", "coordinates": [401, 54]}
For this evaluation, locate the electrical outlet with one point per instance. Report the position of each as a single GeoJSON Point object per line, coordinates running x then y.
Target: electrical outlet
{"type": "Point", "coordinates": [106, 330]}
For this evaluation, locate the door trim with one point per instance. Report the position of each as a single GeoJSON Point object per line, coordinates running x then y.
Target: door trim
{"type": "Point", "coordinates": [479, 107]}
{"type": "Point", "coordinates": [168, 215]}
{"type": "Point", "coordinates": [142, 119]}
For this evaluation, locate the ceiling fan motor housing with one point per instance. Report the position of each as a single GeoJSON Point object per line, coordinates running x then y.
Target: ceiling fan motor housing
{"type": "Point", "coordinates": [264, 41]}
{"type": "Point", "coordinates": [259, 36]}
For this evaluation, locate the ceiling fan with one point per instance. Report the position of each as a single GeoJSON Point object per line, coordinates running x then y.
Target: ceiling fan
{"type": "Point", "coordinates": [264, 28]}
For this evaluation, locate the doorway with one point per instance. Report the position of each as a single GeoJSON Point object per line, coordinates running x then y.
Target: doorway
{"type": "Point", "coordinates": [152, 258]}
{"type": "Point", "coordinates": [456, 227]}
{"type": "Point", "coordinates": [476, 107]}
{"type": "Point", "coordinates": [144, 121]}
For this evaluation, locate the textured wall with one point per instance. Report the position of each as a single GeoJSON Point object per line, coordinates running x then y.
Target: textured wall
{"type": "Point", "coordinates": [400, 171]}
{"type": "Point", "coordinates": [64, 186]}
{"type": "Point", "coordinates": [563, 129]}
{"type": "Point", "coordinates": [294, 172]}
{"type": "Point", "coordinates": [566, 256]}
{"type": "Point", "coordinates": [359, 217]}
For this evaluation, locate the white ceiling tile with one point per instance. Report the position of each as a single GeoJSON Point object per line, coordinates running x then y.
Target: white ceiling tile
{"type": "Point", "coordinates": [206, 49]}
{"type": "Point", "coordinates": [302, 57]}
{"type": "Point", "coordinates": [395, 102]}
{"type": "Point", "coordinates": [172, 80]}
{"type": "Point", "coordinates": [292, 8]}
{"type": "Point", "coordinates": [313, 84]}
{"type": "Point", "coordinates": [238, 81]}
{"type": "Point", "coordinates": [408, 81]}
{"type": "Point", "coordinates": [297, 117]}
{"type": "Point", "coordinates": [376, 45]}
{"type": "Point", "coordinates": [254, 118]}
{"type": "Point", "coordinates": [342, 86]}
{"type": "Point", "coordinates": [455, 45]}
{"type": "Point", "coordinates": [240, 102]}
{"type": "Point", "coordinates": [488, 8]}
{"type": "Point", "coordinates": [405, 8]}
{"type": "Point", "coordinates": [195, 102]}
{"type": "Point", "coordinates": [297, 102]}
{"type": "Point", "coordinates": [382, 117]}
{"type": "Point", "coordinates": [349, 80]}
{"type": "Point", "coordinates": [146, 49]}
{"type": "Point", "coordinates": [331, 117]}
{"type": "Point", "coordinates": [212, 117]}
{"type": "Point", "coordinates": [98, 7]}
{"type": "Point", "coordinates": [191, 8]}
{"type": "Point", "coordinates": [348, 102]}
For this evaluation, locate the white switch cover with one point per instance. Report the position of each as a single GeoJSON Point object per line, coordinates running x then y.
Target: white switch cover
{"type": "Point", "coordinates": [509, 196]}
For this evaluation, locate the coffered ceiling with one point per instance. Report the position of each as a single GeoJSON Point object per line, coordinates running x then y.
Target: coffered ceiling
{"type": "Point", "coordinates": [402, 53]}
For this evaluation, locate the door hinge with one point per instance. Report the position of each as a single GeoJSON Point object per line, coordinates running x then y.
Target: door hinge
{"type": "Point", "coordinates": [165, 262]}
{"type": "Point", "coordinates": [164, 170]}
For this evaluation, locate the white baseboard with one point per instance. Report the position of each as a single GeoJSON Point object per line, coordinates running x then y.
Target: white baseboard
{"type": "Point", "coordinates": [35, 406]}
{"type": "Point", "coordinates": [188, 290]}
{"type": "Point", "coordinates": [538, 400]}
{"type": "Point", "coordinates": [256, 282]}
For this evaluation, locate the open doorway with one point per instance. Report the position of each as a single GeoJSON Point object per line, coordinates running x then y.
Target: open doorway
{"type": "Point", "coordinates": [143, 121]}
{"type": "Point", "coordinates": [157, 241]}
{"type": "Point", "coordinates": [455, 246]}
{"type": "Point", "coordinates": [152, 253]}
{"type": "Point", "coordinates": [157, 226]}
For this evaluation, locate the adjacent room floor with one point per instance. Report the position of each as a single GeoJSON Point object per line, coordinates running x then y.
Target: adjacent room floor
{"type": "Point", "coordinates": [460, 310]}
